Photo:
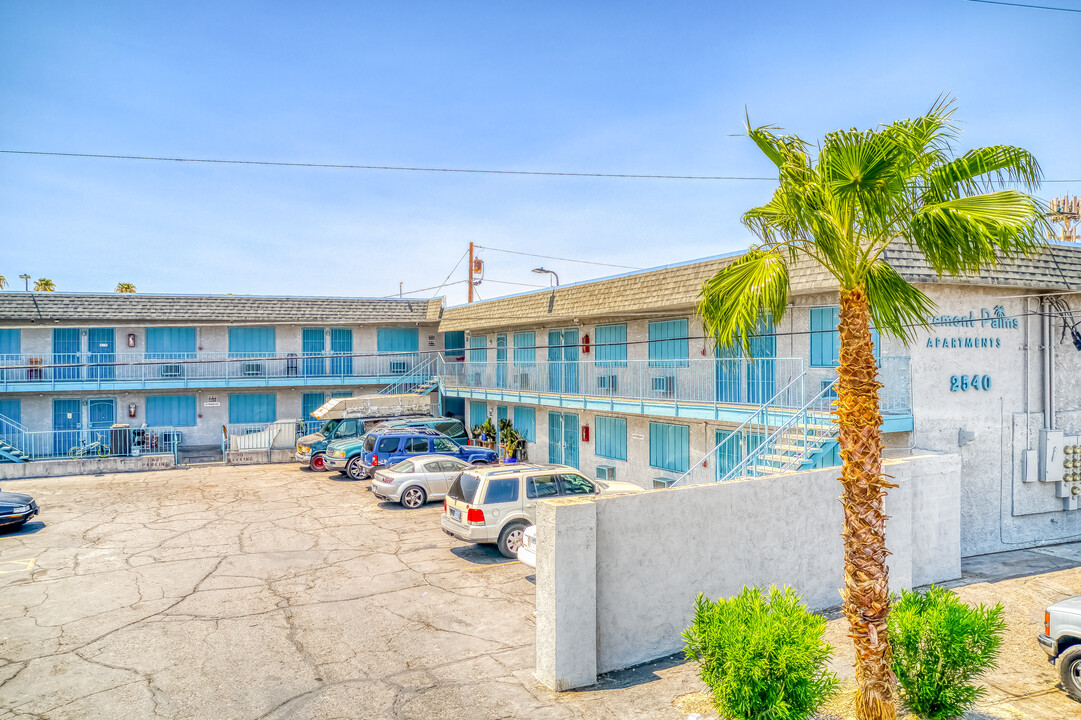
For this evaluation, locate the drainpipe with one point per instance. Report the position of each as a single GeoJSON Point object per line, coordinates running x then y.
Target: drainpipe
{"type": "Point", "coordinates": [1048, 365]}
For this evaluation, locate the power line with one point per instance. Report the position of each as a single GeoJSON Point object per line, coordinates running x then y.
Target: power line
{"type": "Point", "coordinates": [551, 257]}
{"type": "Point", "coordinates": [508, 282]}
{"type": "Point", "coordinates": [401, 168]}
{"type": "Point", "coordinates": [433, 287]}
{"type": "Point", "coordinates": [1023, 5]}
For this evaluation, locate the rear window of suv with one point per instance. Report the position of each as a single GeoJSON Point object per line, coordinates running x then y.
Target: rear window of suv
{"type": "Point", "coordinates": [389, 444]}
{"type": "Point", "coordinates": [369, 443]}
{"type": "Point", "coordinates": [464, 488]}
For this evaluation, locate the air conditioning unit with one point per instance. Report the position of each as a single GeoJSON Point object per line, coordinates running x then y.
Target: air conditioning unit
{"type": "Point", "coordinates": [607, 382]}
{"type": "Point", "coordinates": [521, 380]}
{"type": "Point", "coordinates": [172, 370]}
{"type": "Point", "coordinates": [399, 367]}
{"type": "Point", "coordinates": [833, 392]}
{"type": "Point", "coordinates": [251, 368]}
{"type": "Point", "coordinates": [474, 379]}
{"type": "Point", "coordinates": [665, 384]}
{"type": "Point", "coordinates": [660, 483]}
{"type": "Point", "coordinates": [606, 473]}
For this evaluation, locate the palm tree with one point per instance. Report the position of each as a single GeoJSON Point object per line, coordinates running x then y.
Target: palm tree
{"type": "Point", "coordinates": [3, 282]}
{"type": "Point", "coordinates": [841, 208]}
{"type": "Point", "coordinates": [44, 285]}
{"type": "Point", "coordinates": [125, 288]}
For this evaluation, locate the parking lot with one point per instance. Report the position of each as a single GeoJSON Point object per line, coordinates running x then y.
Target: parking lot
{"type": "Point", "coordinates": [271, 592]}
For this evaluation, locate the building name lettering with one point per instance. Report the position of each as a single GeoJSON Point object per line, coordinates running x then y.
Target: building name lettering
{"type": "Point", "coordinates": [995, 319]}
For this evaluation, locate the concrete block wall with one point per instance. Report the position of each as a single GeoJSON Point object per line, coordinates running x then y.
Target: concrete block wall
{"type": "Point", "coordinates": [639, 561]}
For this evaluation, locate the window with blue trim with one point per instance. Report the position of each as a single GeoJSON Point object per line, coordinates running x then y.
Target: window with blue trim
{"type": "Point", "coordinates": [478, 349]}
{"type": "Point", "coordinates": [525, 422]}
{"type": "Point", "coordinates": [454, 344]}
{"type": "Point", "coordinates": [826, 341]}
{"type": "Point", "coordinates": [170, 343]}
{"type": "Point", "coordinates": [611, 437]}
{"type": "Point", "coordinates": [669, 447]}
{"type": "Point", "coordinates": [525, 348]}
{"type": "Point", "coordinates": [12, 410]}
{"type": "Point", "coordinates": [478, 413]}
{"type": "Point", "coordinates": [611, 345]}
{"type": "Point", "coordinates": [668, 343]}
{"type": "Point", "coordinates": [397, 340]}
{"type": "Point", "coordinates": [251, 341]}
{"type": "Point", "coordinates": [10, 342]}
{"type": "Point", "coordinates": [170, 410]}
{"type": "Point", "coordinates": [309, 402]}
{"type": "Point", "coordinates": [253, 408]}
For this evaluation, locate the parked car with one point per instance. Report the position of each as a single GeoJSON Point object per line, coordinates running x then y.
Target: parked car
{"type": "Point", "coordinates": [451, 427]}
{"type": "Point", "coordinates": [16, 509]}
{"type": "Point", "coordinates": [527, 551]}
{"type": "Point", "coordinates": [418, 480]}
{"type": "Point", "coordinates": [311, 449]}
{"type": "Point", "coordinates": [389, 446]}
{"type": "Point", "coordinates": [496, 504]}
{"type": "Point", "coordinates": [1061, 639]}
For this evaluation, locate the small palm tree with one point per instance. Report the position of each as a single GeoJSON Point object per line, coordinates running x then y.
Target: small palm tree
{"type": "Point", "coordinates": [125, 288]}
{"type": "Point", "coordinates": [841, 209]}
{"type": "Point", "coordinates": [3, 282]}
{"type": "Point", "coordinates": [44, 285]}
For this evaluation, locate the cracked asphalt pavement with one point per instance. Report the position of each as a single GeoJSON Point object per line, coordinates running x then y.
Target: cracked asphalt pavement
{"type": "Point", "coordinates": [268, 592]}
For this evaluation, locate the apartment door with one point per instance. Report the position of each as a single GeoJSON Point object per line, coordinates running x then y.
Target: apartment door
{"type": "Point", "coordinates": [563, 361]}
{"type": "Point", "coordinates": [67, 424]}
{"type": "Point", "coordinates": [66, 354]}
{"type": "Point", "coordinates": [761, 372]}
{"type": "Point", "coordinates": [313, 347]}
{"type": "Point", "coordinates": [101, 348]}
{"type": "Point", "coordinates": [501, 361]}
{"type": "Point", "coordinates": [101, 413]}
{"type": "Point", "coordinates": [563, 439]}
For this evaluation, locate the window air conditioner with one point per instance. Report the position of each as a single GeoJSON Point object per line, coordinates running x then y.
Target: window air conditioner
{"type": "Point", "coordinates": [474, 379]}
{"type": "Point", "coordinates": [664, 384]}
{"type": "Point", "coordinates": [521, 380]}
{"type": "Point", "coordinates": [172, 370]}
{"type": "Point", "coordinates": [399, 367]}
{"type": "Point", "coordinates": [607, 382]}
{"type": "Point", "coordinates": [660, 483]}
{"type": "Point", "coordinates": [606, 473]}
{"type": "Point", "coordinates": [251, 368]}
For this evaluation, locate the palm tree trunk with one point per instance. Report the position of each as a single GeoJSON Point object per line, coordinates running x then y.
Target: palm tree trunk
{"type": "Point", "coordinates": [866, 591]}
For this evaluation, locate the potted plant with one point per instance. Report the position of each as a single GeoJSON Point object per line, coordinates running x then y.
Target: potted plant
{"type": "Point", "coordinates": [485, 434]}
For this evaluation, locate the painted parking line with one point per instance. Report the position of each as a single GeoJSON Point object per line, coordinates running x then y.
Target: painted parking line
{"type": "Point", "coordinates": [20, 565]}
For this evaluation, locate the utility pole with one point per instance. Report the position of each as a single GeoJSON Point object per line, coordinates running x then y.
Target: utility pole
{"type": "Point", "coordinates": [470, 272]}
{"type": "Point", "coordinates": [399, 288]}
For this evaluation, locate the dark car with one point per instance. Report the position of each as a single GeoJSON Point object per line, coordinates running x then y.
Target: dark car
{"type": "Point", "coordinates": [389, 446]}
{"type": "Point", "coordinates": [16, 509]}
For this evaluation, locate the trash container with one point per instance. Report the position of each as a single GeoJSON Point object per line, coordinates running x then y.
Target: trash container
{"type": "Point", "coordinates": [120, 439]}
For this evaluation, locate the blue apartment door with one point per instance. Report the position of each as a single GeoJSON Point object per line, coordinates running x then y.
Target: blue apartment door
{"type": "Point", "coordinates": [563, 361]}
{"type": "Point", "coordinates": [563, 438]}
{"type": "Point", "coordinates": [501, 361]}
{"type": "Point", "coordinates": [313, 346]}
{"type": "Point", "coordinates": [729, 374]}
{"type": "Point", "coordinates": [101, 413]}
{"type": "Point", "coordinates": [66, 353]}
{"type": "Point", "coordinates": [101, 347]}
{"type": "Point", "coordinates": [67, 424]}
{"type": "Point", "coordinates": [761, 372]}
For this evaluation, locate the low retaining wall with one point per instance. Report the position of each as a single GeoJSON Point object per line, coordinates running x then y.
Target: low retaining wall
{"type": "Point", "coordinates": [93, 466]}
{"type": "Point", "coordinates": [617, 577]}
{"type": "Point", "coordinates": [258, 457]}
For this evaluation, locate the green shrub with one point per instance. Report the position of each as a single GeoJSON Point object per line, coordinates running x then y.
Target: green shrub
{"type": "Point", "coordinates": [762, 658]}
{"type": "Point", "coordinates": [940, 647]}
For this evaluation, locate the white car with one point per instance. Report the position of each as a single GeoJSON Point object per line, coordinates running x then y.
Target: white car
{"type": "Point", "coordinates": [527, 551]}
{"type": "Point", "coordinates": [417, 480]}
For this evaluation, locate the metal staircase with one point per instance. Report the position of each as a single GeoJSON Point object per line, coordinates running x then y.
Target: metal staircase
{"type": "Point", "coordinates": [12, 441]}
{"type": "Point", "coordinates": [419, 380]}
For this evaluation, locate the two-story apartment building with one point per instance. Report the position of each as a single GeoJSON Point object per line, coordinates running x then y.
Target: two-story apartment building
{"type": "Point", "coordinates": [77, 362]}
{"type": "Point", "coordinates": [616, 377]}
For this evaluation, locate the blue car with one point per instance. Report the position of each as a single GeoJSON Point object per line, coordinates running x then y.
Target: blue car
{"type": "Point", "coordinates": [389, 446]}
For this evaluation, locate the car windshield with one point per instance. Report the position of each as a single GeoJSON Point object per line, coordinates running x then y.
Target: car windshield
{"type": "Point", "coordinates": [402, 467]}
{"type": "Point", "coordinates": [369, 443]}
{"type": "Point", "coordinates": [464, 488]}
{"type": "Point", "coordinates": [330, 426]}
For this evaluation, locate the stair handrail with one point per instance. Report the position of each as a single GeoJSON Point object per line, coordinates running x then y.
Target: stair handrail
{"type": "Point", "coordinates": [765, 407]}
{"type": "Point", "coordinates": [13, 432]}
{"type": "Point", "coordinates": [754, 454]}
{"type": "Point", "coordinates": [410, 379]}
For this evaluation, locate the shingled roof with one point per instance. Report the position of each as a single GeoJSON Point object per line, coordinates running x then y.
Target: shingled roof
{"type": "Point", "coordinates": [656, 291]}
{"type": "Point", "coordinates": [36, 308]}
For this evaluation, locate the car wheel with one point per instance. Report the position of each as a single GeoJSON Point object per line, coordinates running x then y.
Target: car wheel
{"type": "Point", "coordinates": [414, 497]}
{"type": "Point", "coordinates": [1069, 669]}
{"type": "Point", "coordinates": [318, 463]}
{"type": "Point", "coordinates": [355, 470]}
{"type": "Point", "coordinates": [511, 539]}
{"type": "Point", "coordinates": [479, 462]}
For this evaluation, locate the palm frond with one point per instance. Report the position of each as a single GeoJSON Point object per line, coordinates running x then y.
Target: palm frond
{"type": "Point", "coordinates": [898, 308]}
{"type": "Point", "coordinates": [962, 235]}
{"type": "Point", "coordinates": [731, 301]}
{"type": "Point", "coordinates": [982, 170]}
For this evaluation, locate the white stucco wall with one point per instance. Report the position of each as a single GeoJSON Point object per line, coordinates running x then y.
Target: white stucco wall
{"type": "Point", "coordinates": [647, 556]}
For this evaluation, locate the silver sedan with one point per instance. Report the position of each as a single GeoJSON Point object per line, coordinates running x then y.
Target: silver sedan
{"type": "Point", "coordinates": [418, 480]}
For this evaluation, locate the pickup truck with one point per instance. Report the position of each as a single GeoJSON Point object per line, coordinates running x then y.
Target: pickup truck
{"type": "Point", "coordinates": [1061, 639]}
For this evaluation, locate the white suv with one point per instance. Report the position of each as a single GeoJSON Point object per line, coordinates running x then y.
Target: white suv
{"type": "Point", "coordinates": [496, 504]}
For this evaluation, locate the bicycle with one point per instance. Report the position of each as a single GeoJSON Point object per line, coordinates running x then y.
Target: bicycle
{"type": "Point", "coordinates": [90, 449]}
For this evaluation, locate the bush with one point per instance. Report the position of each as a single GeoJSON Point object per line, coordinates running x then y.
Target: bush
{"type": "Point", "coordinates": [761, 658]}
{"type": "Point", "coordinates": [940, 646]}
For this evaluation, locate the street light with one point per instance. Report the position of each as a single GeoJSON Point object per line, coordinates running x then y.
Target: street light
{"type": "Point", "coordinates": [26, 278]}
{"type": "Point", "coordinates": [548, 272]}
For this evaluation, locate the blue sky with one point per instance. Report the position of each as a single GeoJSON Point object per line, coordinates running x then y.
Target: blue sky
{"type": "Point", "coordinates": [656, 88]}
